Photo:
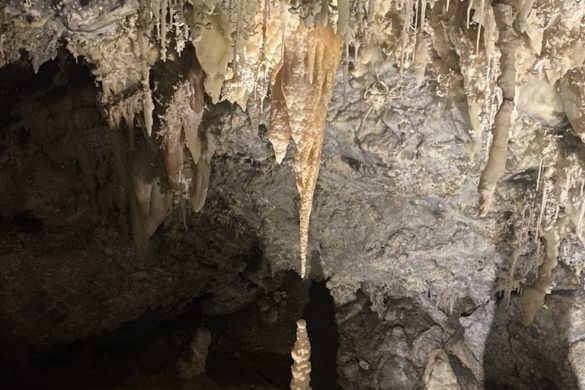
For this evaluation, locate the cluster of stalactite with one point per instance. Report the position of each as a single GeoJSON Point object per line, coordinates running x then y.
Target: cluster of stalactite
{"type": "Point", "coordinates": [504, 56]}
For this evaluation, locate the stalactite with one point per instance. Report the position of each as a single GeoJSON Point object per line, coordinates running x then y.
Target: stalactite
{"type": "Point", "coordinates": [173, 149]}
{"type": "Point", "coordinates": [371, 7]}
{"type": "Point", "coordinates": [156, 17]}
{"type": "Point", "coordinates": [324, 15]}
{"type": "Point", "coordinates": [238, 36]}
{"type": "Point", "coordinates": [423, 12]}
{"type": "Point", "coordinates": [521, 238]}
{"type": "Point", "coordinates": [533, 296]}
{"type": "Point", "coordinates": [163, 29]}
{"type": "Point", "coordinates": [279, 132]}
{"type": "Point", "coordinates": [573, 99]}
{"type": "Point", "coordinates": [479, 25]}
{"type": "Point", "coordinates": [149, 204]}
{"type": "Point", "coordinates": [406, 16]}
{"type": "Point", "coordinates": [416, 11]}
{"type": "Point", "coordinates": [421, 58]}
{"type": "Point", "coordinates": [306, 76]}
{"type": "Point", "coordinates": [188, 177]}
{"type": "Point", "coordinates": [147, 104]}
{"type": "Point", "coordinates": [124, 110]}
{"type": "Point", "coordinates": [343, 8]}
{"type": "Point", "coordinates": [345, 70]}
{"type": "Point", "coordinates": [469, 8]}
{"type": "Point", "coordinates": [195, 78]}
{"type": "Point", "coordinates": [496, 164]}
{"type": "Point", "coordinates": [199, 184]}
{"type": "Point", "coordinates": [259, 52]}
{"type": "Point", "coordinates": [301, 354]}
{"type": "Point", "coordinates": [480, 71]}
{"type": "Point", "coordinates": [581, 214]}
{"type": "Point", "coordinates": [152, 207]}
{"type": "Point", "coordinates": [214, 51]}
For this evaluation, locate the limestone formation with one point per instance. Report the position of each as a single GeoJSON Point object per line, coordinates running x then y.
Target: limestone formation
{"type": "Point", "coordinates": [435, 184]}
{"type": "Point", "coordinates": [301, 354]}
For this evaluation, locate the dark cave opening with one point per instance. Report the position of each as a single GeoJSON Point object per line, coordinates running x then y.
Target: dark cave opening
{"type": "Point", "coordinates": [62, 229]}
{"type": "Point", "coordinates": [146, 352]}
{"type": "Point", "coordinates": [141, 352]}
{"type": "Point", "coordinates": [322, 328]}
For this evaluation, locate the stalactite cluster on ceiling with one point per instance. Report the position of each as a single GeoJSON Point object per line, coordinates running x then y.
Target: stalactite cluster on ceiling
{"type": "Point", "coordinates": [517, 65]}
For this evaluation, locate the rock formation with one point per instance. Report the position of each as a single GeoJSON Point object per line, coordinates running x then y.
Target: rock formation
{"type": "Point", "coordinates": [146, 169]}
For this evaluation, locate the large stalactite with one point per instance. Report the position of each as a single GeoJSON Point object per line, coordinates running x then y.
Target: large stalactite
{"type": "Point", "coordinates": [301, 90]}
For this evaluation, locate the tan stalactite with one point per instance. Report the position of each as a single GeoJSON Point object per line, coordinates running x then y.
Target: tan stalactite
{"type": "Point", "coordinates": [496, 164]}
{"type": "Point", "coordinates": [188, 177]}
{"type": "Point", "coordinates": [149, 204]}
{"type": "Point", "coordinates": [302, 90]}
{"type": "Point", "coordinates": [147, 104]}
{"type": "Point", "coordinates": [199, 184]}
{"type": "Point", "coordinates": [343, 8]}
{"type": "Point", "coordinates": [279, 132]}
{"type": "Point", "coordinates": [533, 296]}
{"type": "Point", "coordinates": [214, 50]}
{"type": "Point", "coordinates": [301, 354]}
{"type": "Point", "coordinates": [173, 151]}
{"type": "Point", "coordinates": [422, 57]}
{"type": "Point", "coordinates": [573, 99]}
{"type": "Point", "coordinates": [196, 79]}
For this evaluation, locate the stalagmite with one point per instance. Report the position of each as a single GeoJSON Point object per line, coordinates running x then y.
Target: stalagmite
{"type": "Point", "coordinates": [301, 354]}
{"type": "Point", "coordinates": [439, 374]}
{"type": "Point", "coordinates": [199, 349]}
{"type": "Point", "coordinates": [306, 75]}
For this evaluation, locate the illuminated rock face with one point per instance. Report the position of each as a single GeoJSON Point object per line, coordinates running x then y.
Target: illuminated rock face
{"type": "Point", "coordinates": [437, 150]}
